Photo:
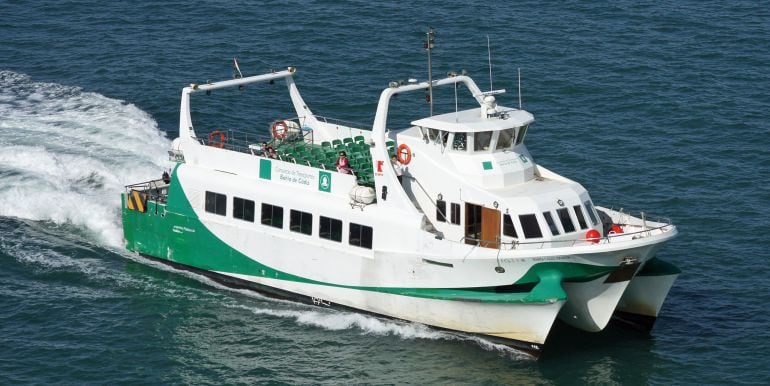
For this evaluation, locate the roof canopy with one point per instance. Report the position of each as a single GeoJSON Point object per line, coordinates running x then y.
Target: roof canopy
{"type": "Point", "coordinates": [469, 121]}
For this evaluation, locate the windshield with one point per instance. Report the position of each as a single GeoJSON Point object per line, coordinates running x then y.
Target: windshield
{"type": "Point", "coordinates": [505, 139]}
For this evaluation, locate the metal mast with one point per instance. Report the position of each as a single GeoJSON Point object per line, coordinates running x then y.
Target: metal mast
{"type": "Point", "coordinates": [428, 45]}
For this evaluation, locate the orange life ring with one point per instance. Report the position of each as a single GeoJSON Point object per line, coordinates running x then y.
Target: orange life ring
{"type": "Point", "coordinates": [404, 154]}
{"type": "Point", "coordinates": [283, 127]}
{"type": "Point", "coordinates": [222, 138]}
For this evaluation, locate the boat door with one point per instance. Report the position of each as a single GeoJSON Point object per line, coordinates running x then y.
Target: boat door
{"type": "Point", "coordinates": [482, 226]}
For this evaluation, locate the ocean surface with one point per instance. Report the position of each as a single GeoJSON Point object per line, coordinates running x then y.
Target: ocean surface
{"type": "Point", "coordinates": [655, 106]}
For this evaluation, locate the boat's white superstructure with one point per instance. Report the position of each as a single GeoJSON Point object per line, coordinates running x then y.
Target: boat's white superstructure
{"type": "Point", "coordinates": [477, 238]}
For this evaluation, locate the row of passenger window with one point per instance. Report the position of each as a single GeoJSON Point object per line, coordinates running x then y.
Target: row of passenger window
{"type": "Point", "coordinates": [300, 222]}
{"type": "Point", "coordinates": [454, 217]}
{"type": "Point", "coordinates": [531, 226]}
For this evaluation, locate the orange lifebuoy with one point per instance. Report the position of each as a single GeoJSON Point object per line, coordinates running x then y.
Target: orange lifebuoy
{"type": "Point", "coordinates": [222, 138]}
{"type": "Point", "coordinates": [279, 129]}
{"type": "Point", "coordinates": [404, 154]}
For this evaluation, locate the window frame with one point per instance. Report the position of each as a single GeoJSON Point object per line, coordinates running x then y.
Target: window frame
{"type": "Point", "coordinates": [305, 222]}
{"type": "Point", "coordinates": [508, 225]}
{"type": "Point", "coordinates": [364, 233]}
{"type": "Point", "coordinates": [551, 223]}
{"type": "Point", "coordinates": [530, 232]}
{"type": "Point", "coordinates": [240, 212]}
{"type": "Point", "coordinates": [273, 210]}
{"type": "Point", "coordinates": [566, 220]}
{"type": "Point", "coordinates": [213, 202]}
{"type": "Point", "coordinates": [455, 213]}
{"type": "Point", "coordinates": [331, 225]}
{"type": "Point", "coordinates": [580, 217]}
{"type": "Point", "coordinates": [441, 210]}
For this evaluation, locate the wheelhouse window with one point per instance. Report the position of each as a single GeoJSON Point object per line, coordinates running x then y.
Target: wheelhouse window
{"type": "Point", "coordinates": [551, 223]}
{"type": "Point", "coordinates": [330, 229]}
{"type": "Point", "coordinates": [522, 133]}
{"type": "Point", "coordinates": [433, 135]}
{"type": "Point", "coordinates": [581, 219]}
{"type": "Point", "coordinates": [591, 214]}
{"type": "Point", "coordinates": [216, 203]}
{"type": "Point", "coordinates": [301, 222]}
{"type": "Point", "coordinates": [455, 215]}
{"type": "Point", "coordinates": [481, 140]}
{"type": "Point", "coordinates": [566, 220]}
{"type": "Point", "coordinates": [508, 228]}
{"type": "Point", "coordinates": [272, 215]}
{"type": "Point", "coordinates": [243, 209]}
{"type": "Point", "coordinates": [360, 236]}
{"type": "Point", "coordinates": [505, 139]}
{"type": "Point", "coordinates": [530, 226]}
{"type": "Point", "coordinates": [460, 142]}
{"type": "Point", "coordinates": [441, 210]}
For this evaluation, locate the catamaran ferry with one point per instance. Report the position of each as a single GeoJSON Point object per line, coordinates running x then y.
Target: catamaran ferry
{"type": "Point", "coordinates": [474, 237]}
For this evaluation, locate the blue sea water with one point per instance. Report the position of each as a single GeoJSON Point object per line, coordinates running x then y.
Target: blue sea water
{"type": "Point", "coordinates": [655, 106]}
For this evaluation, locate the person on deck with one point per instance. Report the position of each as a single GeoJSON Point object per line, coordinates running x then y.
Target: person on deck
{"type": "Point", "coordinates": [343, 166]}
{"type": "Point", "coordinates": [398, 168]}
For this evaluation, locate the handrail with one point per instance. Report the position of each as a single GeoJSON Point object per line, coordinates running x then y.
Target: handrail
{"type": "Point", "coordinates": [435, 205]}
{"type": "Point", "coordinates": [157, 190]}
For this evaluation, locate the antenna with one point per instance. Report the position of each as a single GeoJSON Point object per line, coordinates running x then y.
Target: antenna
{"type": "Point", "coordinates": [237, 73]}
{"type": "Point", "coordinates": [489, 53]}
{"type": "Point", "coordinates": [519, 69]}
{"type": "Point", "coordinates": [429, 45]}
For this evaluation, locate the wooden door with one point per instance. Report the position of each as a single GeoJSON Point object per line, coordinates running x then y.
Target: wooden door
{"type": "Point", "coordinates": [490, 228]}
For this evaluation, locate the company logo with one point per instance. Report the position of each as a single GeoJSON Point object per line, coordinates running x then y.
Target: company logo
{"type": "Point", "coordinates": [265, 169]}
{"type": "Point", "coordinates": [324, 181]}
{"type": "Point", "coordinates": [379, 166]}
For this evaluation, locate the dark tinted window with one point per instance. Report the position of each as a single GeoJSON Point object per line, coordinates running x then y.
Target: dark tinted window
{"type": "Point", "coordinates": [551, 224]}
{"type": "Point", "coordinates": [272, 215]}
{"type": "Point", "coordinates": [522, 133]}
{"type": "Point", "coordinates": [590, 210]}
{"type": "Point", "coordinates": [530, 226]}
{"type": "Point", "coordinates": [508, 228]}
{"type": "Point", "coordinates": [243, 209]}
{"type": "Point", "coordinates": [360, 236]}
{"type": "Point", "coordinates": [301, 222]}
{"type": "Point", "coordinates": [566, 221]}
{"type": "Point", "coordinates": [455, 215]}
{"type": "Point", "coordinates": [330, 229]}
{"type": "Point", "coordinates": [441, 210]}
{"type": "Point", "coordinates": [580, 218]}
{"type": "Point", "coordinates": [216, 203]}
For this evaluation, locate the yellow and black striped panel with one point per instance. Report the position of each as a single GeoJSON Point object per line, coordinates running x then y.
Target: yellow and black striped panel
{"type": "Point", "coordinates": [137, 201]}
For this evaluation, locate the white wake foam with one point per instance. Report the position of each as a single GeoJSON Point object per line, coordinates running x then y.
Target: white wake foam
{"type": "Point", "coordinates": [335, 321]}
{"type": "Point", "coordinates": [66, 154]}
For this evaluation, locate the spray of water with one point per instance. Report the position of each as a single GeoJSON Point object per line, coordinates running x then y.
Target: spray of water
{"type": "Point", "coordinates": [66, 154]}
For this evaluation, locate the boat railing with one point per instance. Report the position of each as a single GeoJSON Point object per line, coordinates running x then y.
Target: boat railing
{"type": "Point", "coordinates": [644, 231]}
{"type": "Point", "coordinates": [343, 123]}
{"type": "Point", "coordinates": [156, 190]}
{"type": "Point", "coordinates": [248, 142]}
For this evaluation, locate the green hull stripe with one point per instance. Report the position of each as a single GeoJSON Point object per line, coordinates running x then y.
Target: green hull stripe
{"type": "Point", "coordinates": [176, 234]}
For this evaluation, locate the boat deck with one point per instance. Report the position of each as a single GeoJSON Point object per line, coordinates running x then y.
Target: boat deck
{"type": "Point", "coordinates": [301, 149]}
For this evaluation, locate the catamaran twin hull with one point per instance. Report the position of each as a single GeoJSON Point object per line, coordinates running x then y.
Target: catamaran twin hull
{"type": "Point", "coordinates": [493, 262]}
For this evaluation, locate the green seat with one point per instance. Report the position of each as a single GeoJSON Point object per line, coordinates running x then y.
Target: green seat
{"type": "Point", "coordinates": [347, 140]}
{"type": "Point", "coordinates": [336, 142]}
{"type": "Point", "coordinates": [326, 144]}
{"type": "Point", "coordinates": [390, 143]}
{"type": "Point", "coordinates": [358, 138]}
